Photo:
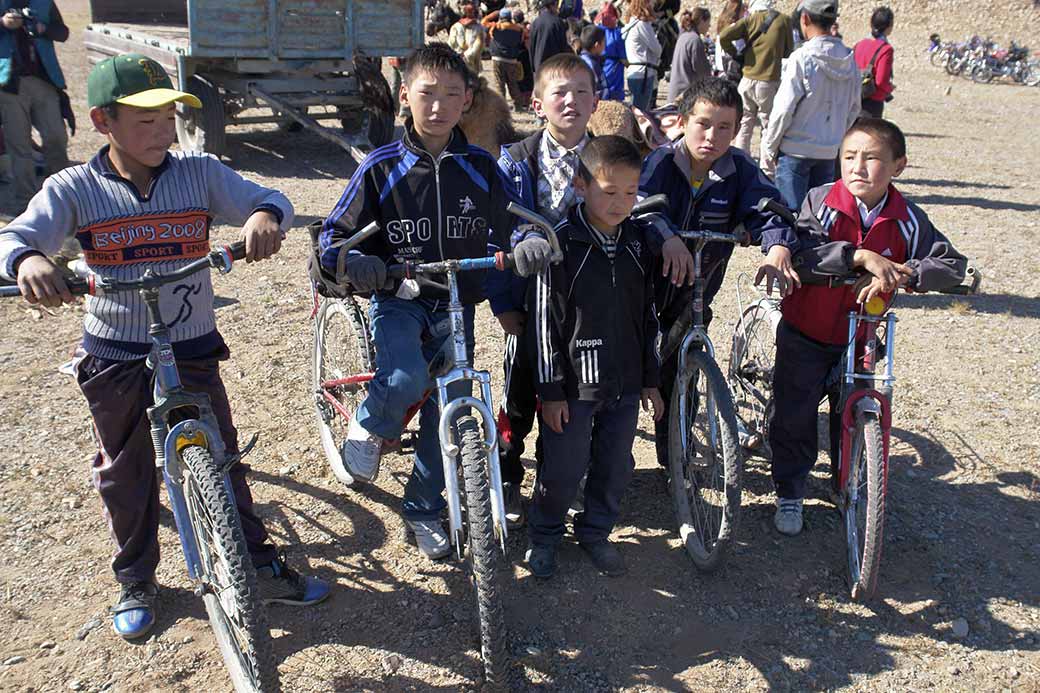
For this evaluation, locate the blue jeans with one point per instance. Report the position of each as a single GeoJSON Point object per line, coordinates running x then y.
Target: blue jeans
{"type": "Point", "coordinates": [642, 88]}
{"type": "Point", "coordinates": [598, 438]}
{"type": "Point", "coordinates": [401, 379]}
{"type": "Point", "coordinates": [796, 176]}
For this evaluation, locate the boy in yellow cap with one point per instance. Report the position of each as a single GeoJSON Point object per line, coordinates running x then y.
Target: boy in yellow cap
{"type": "Point", "coordinates": [137, 206]}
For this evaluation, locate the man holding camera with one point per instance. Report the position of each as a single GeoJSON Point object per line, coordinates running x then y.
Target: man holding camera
{"type": "Point", "coordinates": [31, 84]}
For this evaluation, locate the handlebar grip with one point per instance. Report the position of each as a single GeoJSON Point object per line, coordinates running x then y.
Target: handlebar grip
{"type": "Point", "coordinates": [237, 250]}
{"type": "Point", "coordinates": [654, 203]}
{"type": "Point", "coordinates": [397, 271]}
{"type": "Point", "coordinates": [10, 291]}
{"type": "Point", "coordinates": [777, 208]}
{"type": "Point", "coordinates": [359, 237]}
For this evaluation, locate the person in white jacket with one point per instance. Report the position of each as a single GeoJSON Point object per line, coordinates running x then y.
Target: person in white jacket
{"type": "Point", "coordinates": [466, 38]}
{"type": "Point", "coordinates": [644, 53]}
{"type": "Point", "coordinates": [817, 101]}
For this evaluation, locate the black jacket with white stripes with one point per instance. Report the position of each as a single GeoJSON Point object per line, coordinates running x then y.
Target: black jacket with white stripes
{"type": "Point", "coordinates": [595, 326]}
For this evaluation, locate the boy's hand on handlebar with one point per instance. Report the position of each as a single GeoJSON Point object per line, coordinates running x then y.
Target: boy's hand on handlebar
{"type": "Point", "coordinates": [651, 397]}
{"type": "Point", "coordinates": [777, 267]}
{"type": "Point", "coordinates": [262, 234]}
{"type": "Point", "coordinates": [556, 414]}
{"type": "Point", "coordinates": [531, 256]}
{"type": "Point", "coordinates": [512, 322]}
{"type": "Point", "coordinates": [891, 275]}
{"type": "Point", "coordinates": [40, 281]}
{"type": "Point", "coordinates": [677, 262]}
{"type": "Point", "coordinates": [868, 287]}
{"type": "Point", "coordinates": [365, 273]}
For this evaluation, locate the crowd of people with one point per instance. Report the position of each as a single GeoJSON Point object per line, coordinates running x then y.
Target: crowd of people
{"type": "Point", "coordinates": [435, 196]}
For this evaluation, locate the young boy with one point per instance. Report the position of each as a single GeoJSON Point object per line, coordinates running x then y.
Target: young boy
{"type": "Point", "coordinates": [595, 330]}
{"type": "Point", "coordinates": [542, 169]}
{"type": "Point", "coordinates": [593, 43]}
{"type": "Point", "coordinates": [435, 197]}
{"type": "Point", "coordinates": [134, 182]}
{"type": "Point", "coordinates": [711, 187]}
{"type": "Point", "coordinates": [861, 222]}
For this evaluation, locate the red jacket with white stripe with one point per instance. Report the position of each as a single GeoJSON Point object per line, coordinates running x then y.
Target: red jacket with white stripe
{"type": "Point", "coordinates": [829, 233]}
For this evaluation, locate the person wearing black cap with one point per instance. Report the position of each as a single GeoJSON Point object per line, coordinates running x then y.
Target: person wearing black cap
{"type": "Point", "coordinates": [548, 33]}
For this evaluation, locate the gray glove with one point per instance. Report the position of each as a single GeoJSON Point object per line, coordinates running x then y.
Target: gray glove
{"type": "Point", "coordinates": [364, 273]}
{"type": "Point", "coordinates": [531, 256]}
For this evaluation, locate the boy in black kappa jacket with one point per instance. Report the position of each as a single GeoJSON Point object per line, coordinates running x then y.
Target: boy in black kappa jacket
{"type": "Point", "coordinates": [435, 197]}
{"type": "Point", "coordinates": [595, 329]}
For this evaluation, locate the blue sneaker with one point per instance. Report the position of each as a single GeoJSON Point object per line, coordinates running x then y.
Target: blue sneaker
{"type": "Point", "coordinates": [280, 584]}
{"type": "Point", "coordinates": [134, 614]}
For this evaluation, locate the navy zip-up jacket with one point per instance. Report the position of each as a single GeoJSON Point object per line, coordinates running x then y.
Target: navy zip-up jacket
{"type": "Point", "coordinates": [428, 209]}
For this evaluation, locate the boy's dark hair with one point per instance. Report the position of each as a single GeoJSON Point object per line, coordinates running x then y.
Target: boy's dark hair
{"type": "Point", "coordinates": [714, 90]}
{"type": "Point", "coordinates": [883, 130]}
{"type": "Point", "coordinates": [821, 21]}
{"type": "Point", "coordinates": [436, 57]}
{"type": "Point", "coordinates": [590, 36]}
{"type": "Point", "coordinates": [561, 65]}
{"type": "Point", "coordinates": [881, 21]}
{"type": "Point", "coordinates": [608, 151]}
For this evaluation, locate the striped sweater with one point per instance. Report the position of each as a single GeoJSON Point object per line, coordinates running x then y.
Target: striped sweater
{"type": "Point", "coordinates": [124, 233]}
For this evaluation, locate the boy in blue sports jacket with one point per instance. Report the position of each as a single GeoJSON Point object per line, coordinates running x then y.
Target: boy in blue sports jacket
{"type": "Point", "coordinates": [711, 187]}
{"type": "Point", "coordinates": [435, 197]}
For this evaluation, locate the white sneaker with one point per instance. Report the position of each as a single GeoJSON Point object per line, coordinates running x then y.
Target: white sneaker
{"type": "Point", "coordinates": [430, 537]}
{"type": "Point", "coordinates": [788, 518]}
{"type": "Point", "coordinates": [361, 451]}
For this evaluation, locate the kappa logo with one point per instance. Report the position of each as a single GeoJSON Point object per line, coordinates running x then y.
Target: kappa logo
{"type": "Point", "coordinates": [887, 252]}
{"type": "Point", "coordinates": [466, 205]}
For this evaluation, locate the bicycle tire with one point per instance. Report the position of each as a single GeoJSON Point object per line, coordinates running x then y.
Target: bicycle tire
{"type": "Point", "coordinates": [706, 542]}
{"type": "Point", "coordinates": [865, 516]}
{"type": "Point", "coordinates": [483, 552]}
{"type": "Point", "coordinates": [232, 595]}
{"type": "Point", "coordinates": [342, 347]}
{"type": "Point", "coordinates": [750, 372]}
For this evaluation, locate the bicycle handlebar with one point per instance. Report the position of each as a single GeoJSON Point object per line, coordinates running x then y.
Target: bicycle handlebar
{"type": "Point", "coordinates": [94, 285]}
{"type": "Point", "coordinates": [410, 270]}
{"type": "Point", "coordinates": [777, 208]}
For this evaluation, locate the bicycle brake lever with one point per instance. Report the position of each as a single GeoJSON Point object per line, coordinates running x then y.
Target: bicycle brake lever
{"type": "Point", "coordinates": [231, 460]}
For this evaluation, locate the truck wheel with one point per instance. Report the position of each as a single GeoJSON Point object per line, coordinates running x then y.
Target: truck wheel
{"type": "Point", "coordinates": [202, 129]}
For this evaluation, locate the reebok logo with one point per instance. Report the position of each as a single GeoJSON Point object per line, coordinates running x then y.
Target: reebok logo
{"type": "Point", "coordinates": [715, 201]}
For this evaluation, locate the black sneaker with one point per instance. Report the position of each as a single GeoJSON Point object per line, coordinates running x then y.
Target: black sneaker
{"type": "Point", "coordinates": [606, 557]}
{"type": "Point", "coordinates": [541, 560]}
{"type": "Point", "coordinates": [280, 584]}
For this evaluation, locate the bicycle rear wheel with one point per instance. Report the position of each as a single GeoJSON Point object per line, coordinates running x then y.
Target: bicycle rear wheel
{"type": "Point", "coordinates": [865, 507]}
{"type": "Point", "coordinates": [342, 351]}
{"type": "Point", "coordinates": [704, 461]}
{"type": "Point", "coordinates": [750, 373]}
{"type": "Point", "coordinates": [483, 552]}
{"type": "Point", "coordinates": [231, 596]}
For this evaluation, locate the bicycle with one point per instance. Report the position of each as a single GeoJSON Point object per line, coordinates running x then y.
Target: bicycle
{"type": "Point", "coordinates": [704, 457]}
{"type": "Point", "coordinates": [190, 453]}
{"type": "Point", "coordinates": [865, 383]}
{"type": "Point", "coordinates": [341, 379]}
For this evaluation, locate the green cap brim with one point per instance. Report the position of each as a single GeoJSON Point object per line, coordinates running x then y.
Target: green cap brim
{"type": "Point", "coordinates": [155, 98]}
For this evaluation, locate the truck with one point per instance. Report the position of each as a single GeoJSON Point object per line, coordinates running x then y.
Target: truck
{"type": "Point", "coordinates": [314, 64]}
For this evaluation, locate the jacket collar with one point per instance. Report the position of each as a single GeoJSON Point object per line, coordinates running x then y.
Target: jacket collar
{"type": "Point", "coordinates": [458, 145]}
{"type": "Point", "coordinates": [101, 165]}
{"type": "Point", "coordinates": [722, 168]}
{"type": "Point", "coordinates": [841, 199]}
{"type": "Point", "coordinates": [581, 230]}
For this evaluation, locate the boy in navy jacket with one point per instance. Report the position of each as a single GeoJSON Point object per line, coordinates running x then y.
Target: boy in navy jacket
{"type": "Point", "coordinates": [435, 197]}
{"type": "Point", "coordinates": [711, 187]}
{"type": "Point", "coordinates": [595, 333]}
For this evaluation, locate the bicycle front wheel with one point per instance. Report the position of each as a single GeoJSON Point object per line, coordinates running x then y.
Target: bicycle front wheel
{"type": "Point", "coordinates": [750, 373]}
{"type": "Point", "coordinates": [483, 552]}
{"type": "Point", "coordinates": [704, 461]}
{"type": "Point", "coordinates": [865, 507]}
{"type": "Point", "coordinates": [231, 596]}
{"type": "Point", "coordinates": [342, 366]}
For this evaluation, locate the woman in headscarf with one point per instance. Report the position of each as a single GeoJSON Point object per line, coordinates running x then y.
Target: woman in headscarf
{"type": "Point", "coordinates": [466, 38]}
{"type": "Point", "coordinates": [614, 54]}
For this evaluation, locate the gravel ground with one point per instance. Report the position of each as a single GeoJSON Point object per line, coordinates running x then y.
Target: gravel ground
{"type": "Point", "coordinates": [959, 598]}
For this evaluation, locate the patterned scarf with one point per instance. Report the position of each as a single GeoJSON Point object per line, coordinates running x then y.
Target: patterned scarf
{"type": "Point", "coordinates": [557, 166]}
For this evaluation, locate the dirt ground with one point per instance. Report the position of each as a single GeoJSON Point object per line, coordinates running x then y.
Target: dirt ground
{"type": "Point", "coordinates": [959, 598]}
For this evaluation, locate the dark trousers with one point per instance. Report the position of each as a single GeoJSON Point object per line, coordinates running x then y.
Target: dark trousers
{"type": "Point", "coordinates": [673, 304]}
{"type": "Point", "coordinates": [516, 419]}
{"type": "Point", "coordinates": [597, 439]}
{"type": "Point", "coordinates": [124, 472]}
{"type": "Point", "coordinates": [507, 80]}
{"type": "Point", "coordinates": [875, 109]}
{"type": "Point", "coordinates": [800, 381]}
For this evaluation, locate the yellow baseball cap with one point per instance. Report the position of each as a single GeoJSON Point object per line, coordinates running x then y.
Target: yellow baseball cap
{"type": "Point", "coordinates": [134, 80]}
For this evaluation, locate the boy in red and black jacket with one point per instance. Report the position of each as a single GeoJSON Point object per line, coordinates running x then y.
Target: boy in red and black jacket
{"type": "Point", "coordinates": [861, 222]}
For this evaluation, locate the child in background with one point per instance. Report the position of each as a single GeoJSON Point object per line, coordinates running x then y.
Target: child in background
{"type": "Point", "coordinates": [593, 42]}
{"type": "Point", "coordinates": [861, 222]}
{"type": "Point", "coordinates": [595, 329]}
{"type": "Point", "coordinates": [134, 182]}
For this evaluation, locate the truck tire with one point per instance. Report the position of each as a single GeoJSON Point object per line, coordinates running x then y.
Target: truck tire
{"type": "Point", "coordinates": [202, 129]}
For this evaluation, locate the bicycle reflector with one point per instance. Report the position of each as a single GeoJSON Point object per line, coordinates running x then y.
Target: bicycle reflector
{"type": "Point", "coordinates": [875, 306]}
